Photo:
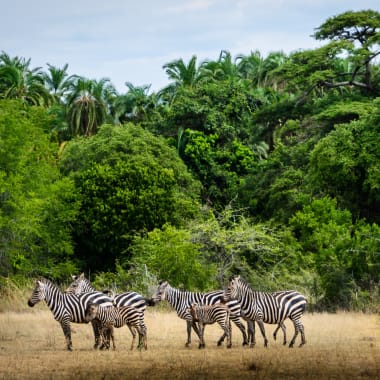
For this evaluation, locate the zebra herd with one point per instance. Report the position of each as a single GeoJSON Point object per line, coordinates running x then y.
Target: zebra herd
{"type": "Point", "coordinates": [82, 303]}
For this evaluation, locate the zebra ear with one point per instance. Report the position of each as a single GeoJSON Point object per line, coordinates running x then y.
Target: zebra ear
{"type": "Point", "coordinates": [237, 277]}
{"type": "Point", "coordinates": [40, 283]}
{"type": "Point", "coordinates": [81, 276]}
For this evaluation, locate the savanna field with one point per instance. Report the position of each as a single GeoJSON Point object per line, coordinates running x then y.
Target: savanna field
{"type": "Point", "coordinates": [339, 346]}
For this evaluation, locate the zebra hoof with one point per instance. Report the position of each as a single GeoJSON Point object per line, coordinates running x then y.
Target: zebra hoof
{"type": "Point", "coordinates": [219, 343]}
{"type": "Point", "coordinates": [229, 345]}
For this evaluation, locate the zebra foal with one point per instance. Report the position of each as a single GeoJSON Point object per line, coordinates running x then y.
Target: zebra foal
{"type": "Point", "coordinates": [112, 316]}
{"type": "Point", "coordinates": [271, 308]}
{"type": "Point", "coordinates": [81, 285]}
{"type": "Point", "coordinates": [208, 315]}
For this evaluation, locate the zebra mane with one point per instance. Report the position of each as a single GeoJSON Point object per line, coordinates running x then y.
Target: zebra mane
{"type": "Point", "coordinates": [244, 282]}
{"type": "Point", "coordinates": [48, 282]}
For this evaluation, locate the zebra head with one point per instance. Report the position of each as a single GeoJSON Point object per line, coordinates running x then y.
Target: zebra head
{"type": "Point", "coordinates": [159, 294]}
{"type": "Point", "coordinates": [91, 312]}
{"type": "Point", "coordinates": [232, 290]}
{"type": "Point", "coordinates": [78, 285]}
{"type": "Point", "coordinates": [38, 293]}
{"type": "Point", "coordinates": [193, 310]}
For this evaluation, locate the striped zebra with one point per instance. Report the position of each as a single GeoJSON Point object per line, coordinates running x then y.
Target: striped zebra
{"type": "Point", "coordinates": [67, 308]}
{"type": "Point", "coordinates": [182, 300]}
{"type": "Point", "coordinates": [268, 307]}
{"type": "Point", "coordinates": [209, 314]}
{"type": "Point", "coordinates": [112, 316]}
{"type": "Point", "coordinates": [81, 285]}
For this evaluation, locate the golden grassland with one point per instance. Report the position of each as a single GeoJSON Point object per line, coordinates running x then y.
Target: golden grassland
{"type": "Point", "coordinates": [339, 346]}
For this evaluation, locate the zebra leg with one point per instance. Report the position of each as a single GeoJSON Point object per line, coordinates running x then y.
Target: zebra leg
{"type": "Point", "coordinates": [303, 339]}
{"type": "Point", "coordinates": [133, 332]}
{"type": "Point", "coordinates": [142, 338]}
{"type": "Point", "coordinates": [221, 339]}
{"type": "Point", "coordinates": [188, 325]}
{"type": "Point", "coordinates": [67, 332]}
{"type": "Point", "coordinates": [191, 324]}
{"type": "Point", "coordinates": [201, 335]}
{"type": "Point", "coordinates": [251, 333]}
{"type": "Point", "coordinates": [105, 333]}
{"type": "Point", "coordinates": [241, 327]}
{"type": "Point", "coordinates": [298, 327]}
{"type": "Point", "coordinates": [96, 328]}
{"type": "Point", "coordinates": [262, 329]}
{"type": "Point", "coordinates": [283, 328]}
{"type": "Point", "coordinates": [112, 336]}
{"type": "Point", "coordinates": [228, 331]}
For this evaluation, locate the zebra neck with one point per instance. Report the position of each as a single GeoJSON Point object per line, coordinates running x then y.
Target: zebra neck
{"type": "Point", "coordinates": [54, 299]}
{"type": "Point", "coordinates": [88, 287]}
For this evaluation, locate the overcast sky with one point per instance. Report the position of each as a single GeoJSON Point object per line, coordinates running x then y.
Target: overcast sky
{"type": "Point", "coordinates": [130, 41]}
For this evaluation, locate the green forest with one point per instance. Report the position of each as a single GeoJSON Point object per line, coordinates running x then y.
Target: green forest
{"type": "Point", "coordinates": [264, 166]}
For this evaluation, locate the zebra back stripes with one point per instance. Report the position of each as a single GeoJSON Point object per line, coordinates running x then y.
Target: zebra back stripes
{"type": "Point", "coordinates": [67, 308]}
{"type": "Point", "coordinates": [182, 300]}
{"type": "Point", "coordinates": [209, 314]}
{"type": "Point", "coordinates": [112, 316]}
{"type": "Point", "coordinates": [268, 307]}
{"type": "Point", "coordinates": [81, 285]}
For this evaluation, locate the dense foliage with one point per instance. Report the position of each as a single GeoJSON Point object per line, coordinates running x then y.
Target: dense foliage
{"type": "Point", "coordinates": [264, 166]}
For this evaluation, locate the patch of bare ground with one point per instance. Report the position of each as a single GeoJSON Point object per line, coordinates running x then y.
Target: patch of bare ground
{"type": "Point", "coordinates": [339, 346]}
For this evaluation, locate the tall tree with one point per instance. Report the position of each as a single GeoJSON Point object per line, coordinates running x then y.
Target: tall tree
{"type": "Point", "coordinates": [360, 31]}
{"type": "Point", "coordinates": [58, 81]}
{"type": "Point", "coordinates": [88, 105]}
{"type": "Point", "coordinates": [19, 81]}
{"type": "Point", "coordinates": [134, 105]}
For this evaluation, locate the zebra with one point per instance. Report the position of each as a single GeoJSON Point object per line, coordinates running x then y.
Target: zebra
{"type": "Point", "coordinates": [182, 300]}
{"type": "Point", "coordinates": [281, 325]}
{"type": "Point", "coordinates": [209, 314]}
{"type": "Point", "coordinates": [67, 308]}
{"type": "Point", "coordinates": [81, 285]}
{"type": "Point", "coordinates": [268, 307]}
{"type": "Point", "coordinates": [112, 316]}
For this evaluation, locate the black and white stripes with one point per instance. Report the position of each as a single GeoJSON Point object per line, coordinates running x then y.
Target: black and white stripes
{"type": "Point", "coordinates": [271, 308]}
{"type": "Point", "coordinates": [182, 300]}
{"type": "Point", "coordinates": [112, 316]}
{"type": "Point", "coordinates": [209, 314]}
{"type": "Point", "coordinates": [67, 308]}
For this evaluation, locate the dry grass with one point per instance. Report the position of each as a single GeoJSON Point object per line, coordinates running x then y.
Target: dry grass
{"type": "Point", "coordinates": [339, 346]}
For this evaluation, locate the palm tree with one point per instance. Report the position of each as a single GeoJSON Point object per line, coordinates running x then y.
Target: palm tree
{"type": "Point", "coordinates": [134, 105]}
{"type": "Point", "coordinates": [58, 81]}
{"type": "Point", "coordinates": [18, 81]}
{"type": "Point", "coordinates": [259, 70]}
{"type": "Point", "coordinates": [88, 104]}
{"type": "Point", "coordinates": [182, 74]}
{"type": "Point", "coordinates": [222, 69]}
